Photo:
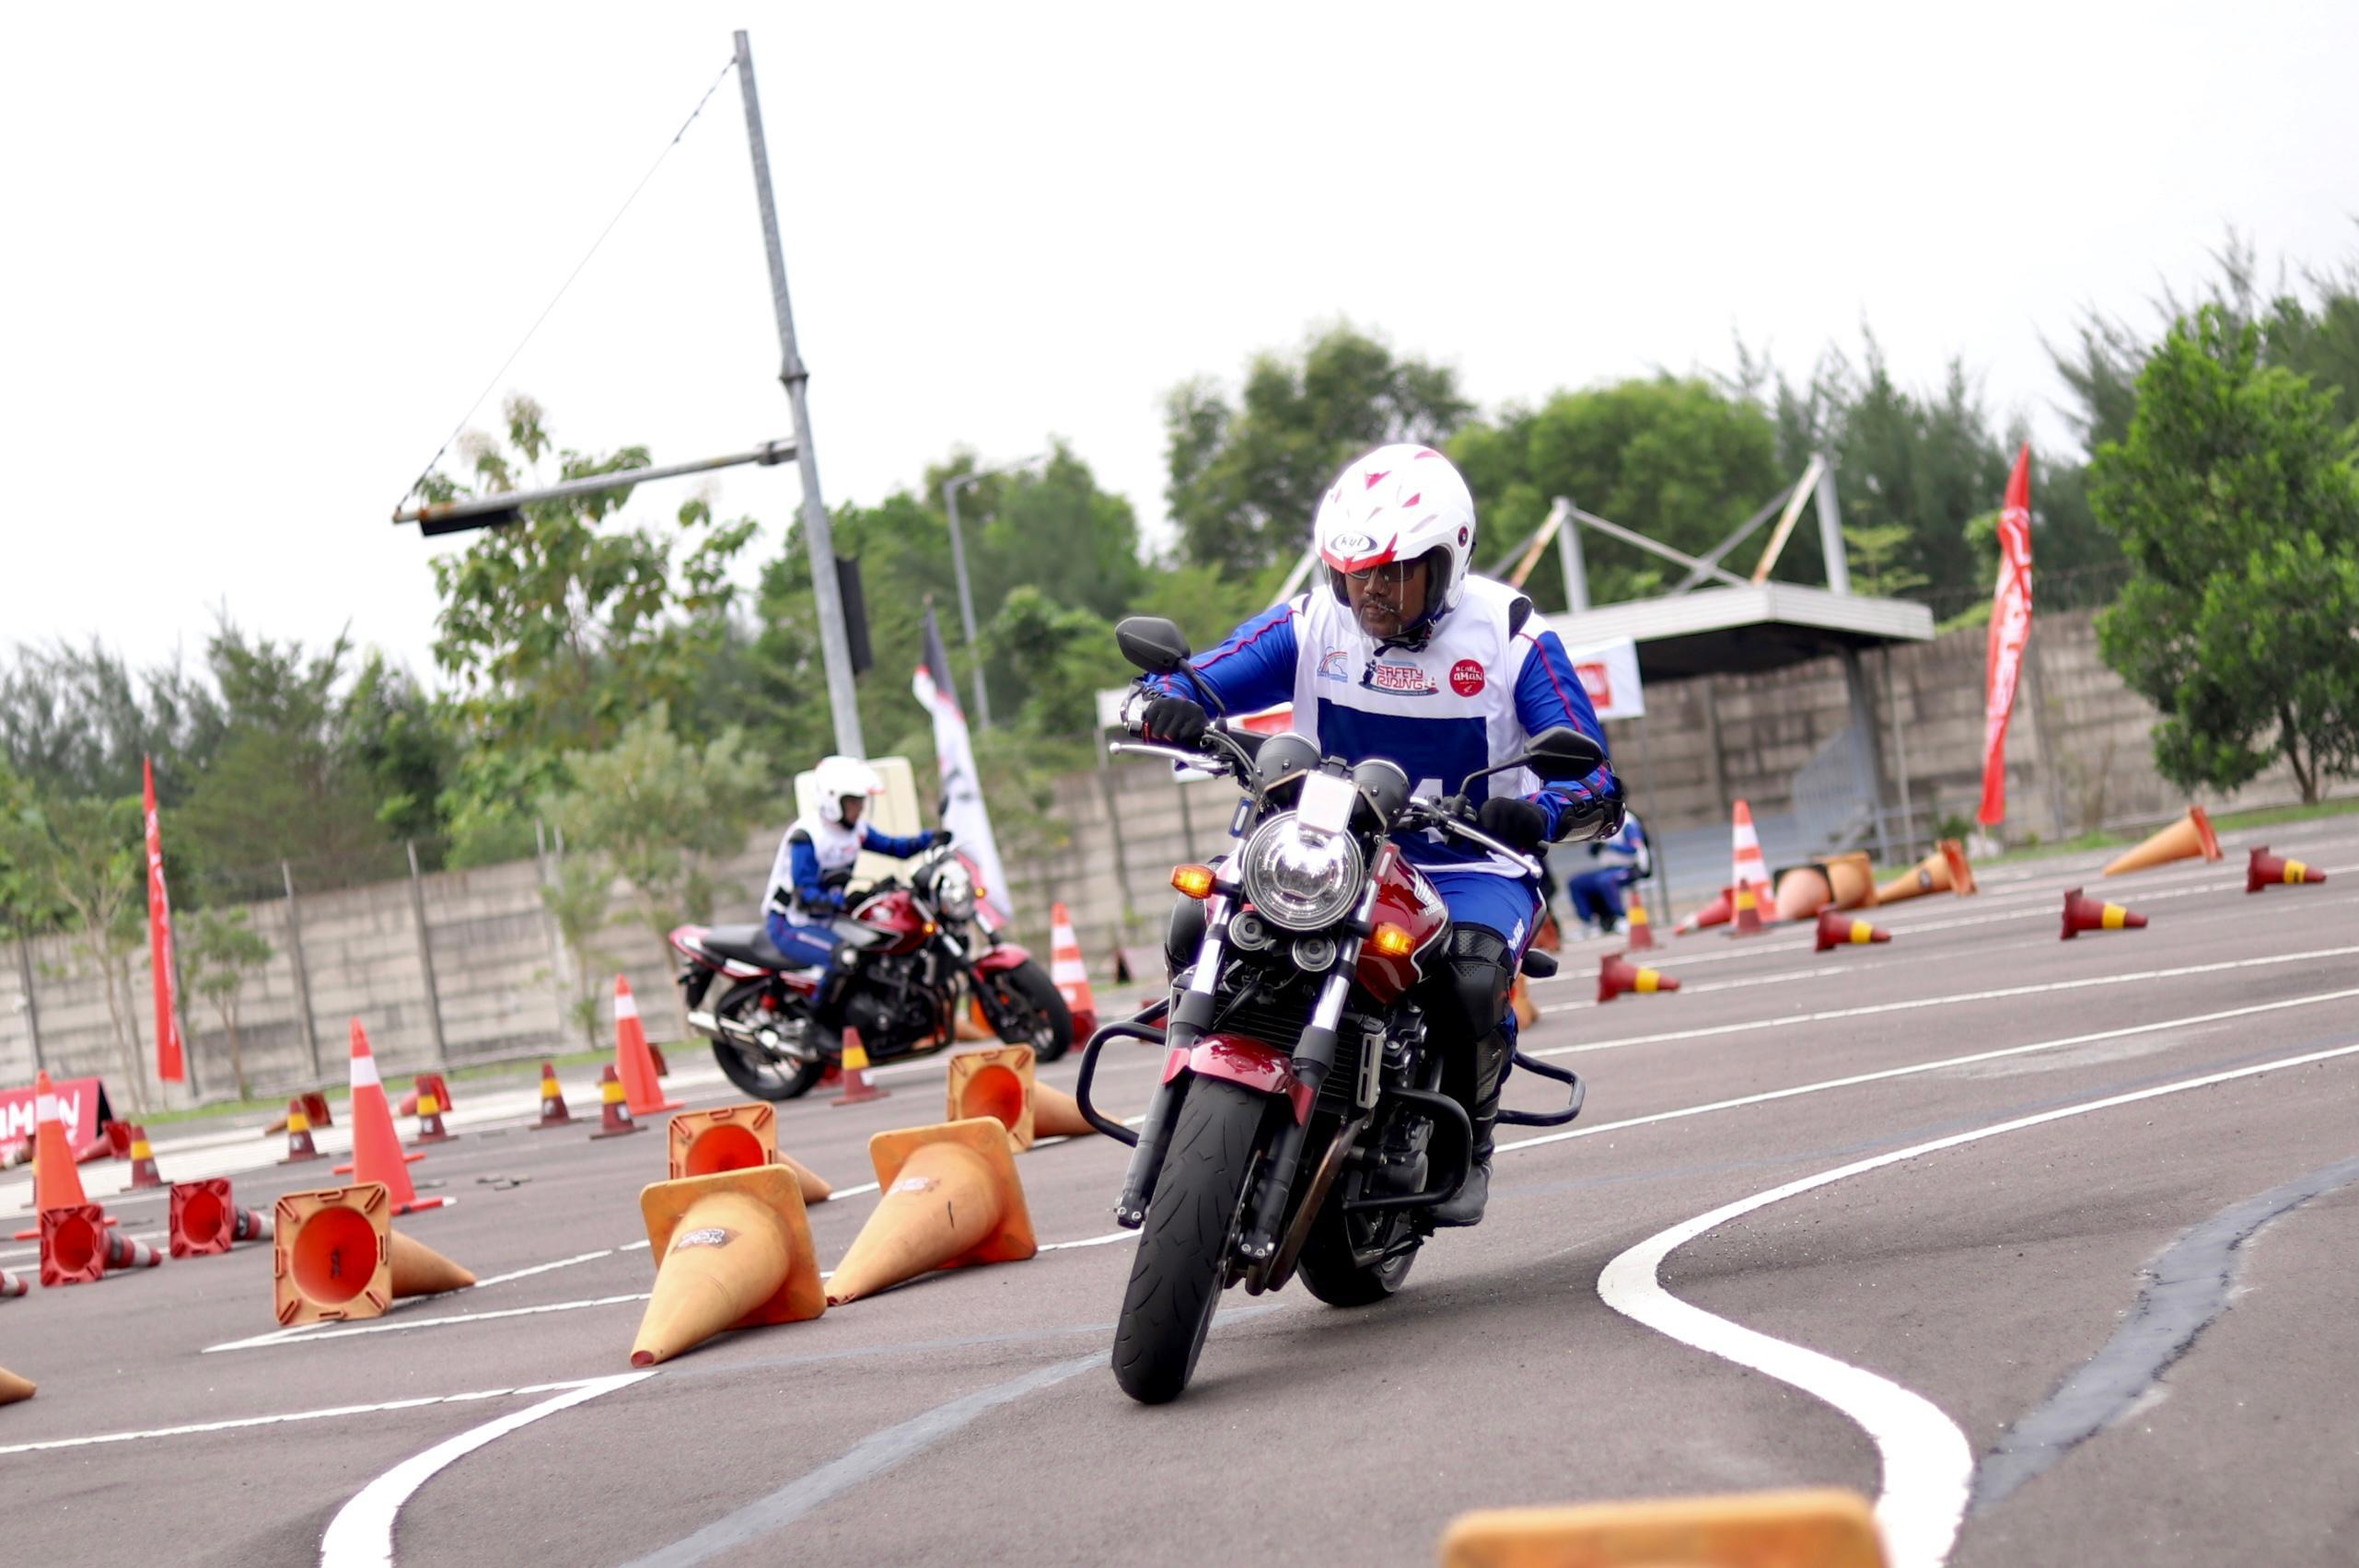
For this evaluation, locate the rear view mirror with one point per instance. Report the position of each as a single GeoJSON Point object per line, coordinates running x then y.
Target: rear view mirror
{"type": "Point", "coordinates": [1563, 752]}
{"type": "Point", "coordinates": [1152, 644]}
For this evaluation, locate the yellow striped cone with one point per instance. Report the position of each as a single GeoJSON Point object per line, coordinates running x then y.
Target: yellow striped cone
{"type": "Point", "coordinates": [1642, 930]}
{"type": "Point", "coordinates": [143, 1160]}
{"type": "Point", "coordinates": [614, 1107]}
{"type": "Point", "coordinates": [2265, 870]}
{"type": "Point", "coordinates": [1837, 929]}
{"type": "Point", "coordinates": [552, 1101]}
{"type": "Point", "coordinates": [2089, 914]}
{"type": "Point", "coordinates": [1617, 977]}
{"type": "Point", "coordinates": [1746, 905]}
{"type": "Point", "coordinates": [858, 1085]}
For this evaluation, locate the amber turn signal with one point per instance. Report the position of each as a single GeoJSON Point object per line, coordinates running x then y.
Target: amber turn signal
{"type": "Point", "coordinates": [1392, 941]}
{"type": "Point", "coordinates": [1196, 881]}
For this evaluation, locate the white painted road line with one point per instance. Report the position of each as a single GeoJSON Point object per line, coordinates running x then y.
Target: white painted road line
{"type": "Point", "coordinates": [2087, 983]}
{"type": "Point", "coordinates": [1927, 1463]}
{"type": "Point", "coordinates": [361, 1535]}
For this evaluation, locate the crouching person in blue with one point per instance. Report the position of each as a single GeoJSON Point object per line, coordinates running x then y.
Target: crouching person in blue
{"type": "Point", "coordinates": [808, 881]}
{"type": "Point", "coordinates": [1622, 862]}
{"type": "Point", "coordinates": [1396, 652]}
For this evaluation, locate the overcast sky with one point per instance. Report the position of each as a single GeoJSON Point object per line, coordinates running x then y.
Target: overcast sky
{"type": "Point", "coordinates": [255, 263]}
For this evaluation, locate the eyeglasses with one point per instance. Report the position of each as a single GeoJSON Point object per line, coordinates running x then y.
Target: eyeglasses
{"type": "Point", "coordinates": [1392, 574]}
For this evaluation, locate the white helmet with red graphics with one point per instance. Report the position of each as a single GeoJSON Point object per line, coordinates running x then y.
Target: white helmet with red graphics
{"type": "Point", "coordinates": [1400, 503]}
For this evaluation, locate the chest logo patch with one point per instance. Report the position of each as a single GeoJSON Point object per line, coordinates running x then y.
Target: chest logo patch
{"type": "Point", "coordinates": [1465, 676]}
{"type": "Point", "coordinates": [1400, 680]}
{"type": "Point", "coordinates": [1331, 666]}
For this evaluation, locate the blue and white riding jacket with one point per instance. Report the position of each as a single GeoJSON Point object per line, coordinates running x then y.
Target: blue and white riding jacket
{"type": "Point", "coordinates": [814, 847]}
{"type": "Point", "coordinates": [1492, 676]}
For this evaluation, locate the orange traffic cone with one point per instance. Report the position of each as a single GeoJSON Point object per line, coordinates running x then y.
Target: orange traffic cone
{"type": "Point", "coordinates": [632, 1058]}
{"type": "Point", "coordinates": [552, 1101]}
{"type": "Point", "coordinates": [1830, 1529]}
{"type": "Point", "coordinates": [143, 1160]}
{"type": "Point", "coordinates": [1716, 912]}
{"type": "Point", "coordinates": [12, 1285]}
{"type": "Point", "coordinates": [2190, 836]}
{"type": "Point", "coordinates": [1943, 871]}
{"type": "Point", "coordinates": [377, 1145]}
{"type": "Point", "coordinates": [613, 1109]}
{"type": "Point", "coordinates": [2089, 914]}
{"type": "Point", "coordinates": [206, 1220]}
{"type": "Point", "coordinates": [13, 1387]}
{"type": "Point", "coordinates": [1747, 911]}
{"type": "Point", "coordinates": [2265, 870]}
{"type": "Point", "coordinates": [1070, 974]}
{"type": "Point", "coordinates": [331, 1256]}
{"type": "Point", "coordinates": [419, 1269]}
{"type": "Point", "coordinates": [1520, 998]}
{"type": "Point", "coordinates": [1640, 936]}
{"type": "Point", "coordinates": [997, 1082]}
{"type": "Point", "coordinates": [1851, 876]}
{"type": "Point", "coordinates": [433, 1098]}
{"type": "Point", "coordinates": [299, 1146]}
{"type": "Point", "coordinates": [1550, 938]}
{"type": "Point", "coordinates": [1617, 977]}
{"type": "Point", "coordinates": [735, 1137]}
{"type": "Point", "coordinates": [57, 1180]}
{"type": "Point", "coordinates": [859, 1086]}
{"type": "Point", "coordinates": [1056, 1114]}
{"type": "Point", "coordinates": [1750, 876]}
{"type": "Point", "coordinates": [950, 1198]}
{"type": "Point", "coordinates": [733, 1250]}
{"type": "Point", "coordinates": [1837, 929]}
{"type": "Point", "coordinates": [1802, 891]}
{"type": "Point", "coordinates": [76, 1247]}
{"type": "Point", "coordinates": [315, 1111]}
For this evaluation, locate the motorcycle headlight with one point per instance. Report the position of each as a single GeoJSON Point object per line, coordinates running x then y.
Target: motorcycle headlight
{"type": "Point", "coordinates": [1301, 878]}
{"type": "Point", "coordinates": [954, 891]}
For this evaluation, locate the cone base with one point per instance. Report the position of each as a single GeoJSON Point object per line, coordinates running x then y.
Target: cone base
{"type": "Point", "coordinates": [13, 1387]}
{"type": "Point", "coordinates": [1056, 1114]}
{"type": "Point", "coordinates": [419, 1269]}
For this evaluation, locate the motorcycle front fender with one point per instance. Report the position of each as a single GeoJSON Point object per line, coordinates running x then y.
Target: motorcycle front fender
{"type": "Point", "coordinates": [997, 960]}
{"type": "Point", "coordinates": [1249, 1064]}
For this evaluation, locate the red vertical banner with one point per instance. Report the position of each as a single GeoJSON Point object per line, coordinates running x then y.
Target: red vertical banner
{"type": "Point", "coordinates": [170, 1066]}
{"type": "Point", "coordinates": [2010, 630]}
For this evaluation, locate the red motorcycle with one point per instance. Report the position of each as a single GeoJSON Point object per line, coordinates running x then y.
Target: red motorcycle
{"type": "Point", "coordinates": [919, 957]}
{"type": "Point", "coordinates": [1300, 1125]}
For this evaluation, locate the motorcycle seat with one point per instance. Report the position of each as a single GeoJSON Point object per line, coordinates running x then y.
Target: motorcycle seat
{"type": "Point", "coordinates": [748, 945]}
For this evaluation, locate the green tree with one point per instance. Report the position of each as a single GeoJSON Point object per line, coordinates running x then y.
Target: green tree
{"type": "Point", "coordinates": [219, 950]}
{"type": "Point", "coordinates": [577, 900]}
{"type": "Point", "coordinates": [75, 720]}
{"type": "Point", "coordinates": [1064, 654]}
{"type": "Point", "coordinates": [1245, 477]}
{"type": "Point", "coordinates": [89, 853]}
{"type": "Point", "coordinates": [2236, 499]}
{"type": "Point", "coordinates": [661, 810]}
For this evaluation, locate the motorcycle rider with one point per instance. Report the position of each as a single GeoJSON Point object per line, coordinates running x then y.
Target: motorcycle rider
{"type": "Point", "coordinates": [1397, 652]}
{"type": "Point", "coordinates": [807, 895]}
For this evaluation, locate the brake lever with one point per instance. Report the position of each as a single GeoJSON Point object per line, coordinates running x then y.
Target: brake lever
{"type": "Point", "coordinates": [1186, 759]}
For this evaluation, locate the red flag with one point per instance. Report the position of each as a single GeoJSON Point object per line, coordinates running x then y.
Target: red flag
{"type": "Point", "coordinates": [2010, 630]}
{"type": "Point", "coordinates": [170, 1067]}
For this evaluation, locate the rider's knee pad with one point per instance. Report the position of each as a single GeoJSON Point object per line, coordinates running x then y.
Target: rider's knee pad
{"type": "Point", "coordinates": [1469, 994]}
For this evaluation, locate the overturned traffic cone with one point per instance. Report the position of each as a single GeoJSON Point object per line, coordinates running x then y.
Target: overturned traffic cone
{"type": "Point", "coordinates": [1822, 1529]}
{"type": "Point", "coordinates": [996, 1082]}
{"type": "Point", "coordinates": [378, 1154]}
{"type": "Point", "coordinates": [1056, 1114]}
{"type": "Point", "coordinates": [13, 1387]}
{"type": "Point", "coordinates": [2265, 870]}
{"type": "Point", "coordinates": [1943, 871]}
{"type": "Point", "coordinates": [1837, 929]}
{"type": "Point", "coordinates": [206, 1220]}
{"type": "Point", "coordinates": [859, 1086]}
{"type": "Point", "coordinates": [633, 1061]}
{"type": "Point", "coordinates": [1716, 912]}
{"type": "Point", "coordinates": [299, 1146]}
{"type": "Point", "coordinates": [552, 1101]}
{"type": "Point", "coordinates": [419, 1269]}
{"type": "Point", "coordinates": [433, 1098]}
{"type": "Point", "coordinates": [335, 1256]}
{"type": "Point", "coordinates": [1070, 974]}
{"type": "Point", "coordinates": [2185, 839]}
{"type": "Point", "coordinates": [143, 1160]}
{"type": "Point", "coordinates": [12, 1285]}
{"type": "Point", "coordinates": [735, 1137]}
{"type": "Point", "coordinates": [1640, 936]}
{"type": "Point", "coordinates": [950, 1198]}
{"type": "Point", "coordinates": [76, 1247]}
{"type": "Point", "coordinates": [613, 1107]}
{"type": "Point", "coordinates": [733, 1250]}
{"type": "Point", "coordinates": [1617, 977]}
{"type": "Point", "coordinates": [2090, 914]}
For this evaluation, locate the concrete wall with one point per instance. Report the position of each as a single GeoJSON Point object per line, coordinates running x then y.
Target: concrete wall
{"type": "Point", "coordinates": [502, 985]}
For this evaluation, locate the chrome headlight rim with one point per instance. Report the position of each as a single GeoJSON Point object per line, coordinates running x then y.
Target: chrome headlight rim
{"type": "Point", "coordinates": [954, 891]}
{"type": "Point", "coordinates": [1289, 911]}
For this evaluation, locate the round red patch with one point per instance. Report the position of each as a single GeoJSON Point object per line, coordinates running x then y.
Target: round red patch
{"type": "Point", "coordinates": [1466, 677]}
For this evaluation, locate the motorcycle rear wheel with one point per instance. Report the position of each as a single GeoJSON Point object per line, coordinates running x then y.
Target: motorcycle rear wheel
{"type": "Point", "coordinates": [1183, 1250]}
{"type": "Point", "coordinates": [765, 1079]}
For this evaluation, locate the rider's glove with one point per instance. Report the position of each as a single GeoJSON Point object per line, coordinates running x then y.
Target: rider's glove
{"type": "Point", "coordinates": [1176, 720]}
{"type": "Point", "coordinates": [937, 838]}
{"type": "Point", "coordinates": [1516, 823]}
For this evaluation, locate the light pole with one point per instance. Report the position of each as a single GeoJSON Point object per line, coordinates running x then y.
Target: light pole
{"type": "Point", "coordinates": [950, 488]}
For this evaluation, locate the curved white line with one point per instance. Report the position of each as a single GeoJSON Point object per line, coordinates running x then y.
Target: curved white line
{"type": "Point", "coordinates": [1928, 1466]}
{"type": "Point", "coordinates": [361, 1535]}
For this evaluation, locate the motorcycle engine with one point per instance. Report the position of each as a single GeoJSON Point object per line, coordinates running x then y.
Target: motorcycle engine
{"type": "Point", "coordinates": [890, 1007]}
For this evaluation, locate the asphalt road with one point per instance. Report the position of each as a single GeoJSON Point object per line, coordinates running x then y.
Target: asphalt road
{"type": "Point", "coordinates": [2080, 1267]}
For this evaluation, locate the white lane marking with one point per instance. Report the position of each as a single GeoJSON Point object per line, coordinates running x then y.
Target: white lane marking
{"type": "Point", "coordinates": [361, 1535]}
{"type": "Point", "coordinates": [1928, 1466]}
{"type": "Point", "coordinates": [1092, 1240]}
{"type": "Point", "coordinates": [1948, 1062]}
{"type": "Point", "coordinates": [396, 1325]}
{"type": "Point", "coordinates": [313, 1331]}
{"type": "Point", "coordinates": [1871, 1009]}
{"type": "Point", "coordinates": [328, 1414]}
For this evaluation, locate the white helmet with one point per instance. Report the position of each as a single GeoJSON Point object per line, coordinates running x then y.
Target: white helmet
{"type": "Point", "coordinates": [836, 777]}
{"type": "Point", "coordinates": [1399, 502]}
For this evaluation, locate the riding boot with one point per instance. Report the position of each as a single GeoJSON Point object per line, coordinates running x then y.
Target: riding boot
{"type": "Point", "coordinates": [827, 1010]}
{"type": "Point", "coordinates": [1489, 1066]}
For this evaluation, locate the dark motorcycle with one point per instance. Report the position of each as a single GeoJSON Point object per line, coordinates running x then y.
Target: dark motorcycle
{"type": "Point", "coordinates": [920, 958]}
{"type": "Point", "coordinates": [1300, 1125]}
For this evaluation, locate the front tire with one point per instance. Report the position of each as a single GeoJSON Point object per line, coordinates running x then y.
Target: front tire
{"type": "Point", "coordinates": [1046, 1023]}
{"type": "Point", "coordinates": [1183, 1248]}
